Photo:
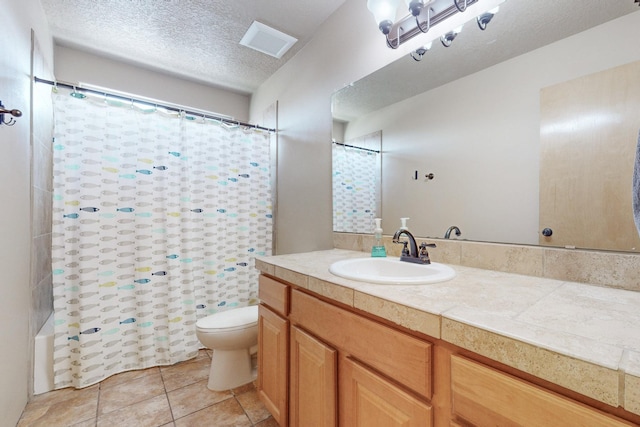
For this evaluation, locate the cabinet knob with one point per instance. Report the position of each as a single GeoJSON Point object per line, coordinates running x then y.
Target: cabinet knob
{"type": "Point", "coordinates": [547, 232]}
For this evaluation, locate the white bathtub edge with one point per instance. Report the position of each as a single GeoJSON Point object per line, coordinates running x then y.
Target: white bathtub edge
{"type": "Point", "coordinates": [43, 358]}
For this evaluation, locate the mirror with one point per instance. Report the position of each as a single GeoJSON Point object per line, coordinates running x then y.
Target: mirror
{"type": "Point", "coordinates": [356, 178]}
{"type": "Point", "coordinates": [470, 117]}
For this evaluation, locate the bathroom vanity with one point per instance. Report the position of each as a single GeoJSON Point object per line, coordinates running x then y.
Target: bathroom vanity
{"type": "Point", "coordinates": [484, 348]}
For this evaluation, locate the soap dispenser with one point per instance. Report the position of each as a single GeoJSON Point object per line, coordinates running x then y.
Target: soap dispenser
{"type": "Point", "coordinates": [403, 223]}
{"type": "Point", "coordinates": [378, 249]}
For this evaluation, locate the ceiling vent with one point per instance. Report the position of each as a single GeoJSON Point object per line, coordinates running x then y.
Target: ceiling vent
{"type": "Point", "coordinates": [267, 40]}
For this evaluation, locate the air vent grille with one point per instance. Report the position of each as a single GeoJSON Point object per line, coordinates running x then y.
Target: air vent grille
{"type": "Point", "coordinates": [267, 40]}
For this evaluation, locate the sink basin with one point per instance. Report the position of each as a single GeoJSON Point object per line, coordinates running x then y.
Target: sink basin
{"type": "Point", "coordinates": [392, 271]}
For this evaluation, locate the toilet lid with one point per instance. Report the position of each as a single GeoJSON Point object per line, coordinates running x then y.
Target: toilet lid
{"type": "Point", "coordinates": [230, 319]}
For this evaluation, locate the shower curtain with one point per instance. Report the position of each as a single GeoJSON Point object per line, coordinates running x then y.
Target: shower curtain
{"type": "Point", "coordinates": [157, 217]}
{"type": "Point", "coordinates": [355, 189]}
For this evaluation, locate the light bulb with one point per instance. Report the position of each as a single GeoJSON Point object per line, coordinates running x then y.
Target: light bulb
{"type": "Point", "coordinates": [419, 53]}
{"type": "Point", "coordinates": [384, 12]}
{"type": "Point", "coordinates": [447, 38]}
{"type": "Point", "coordinates": [485, 18]}
{"type": "Point", "coordinates": [415, 6]}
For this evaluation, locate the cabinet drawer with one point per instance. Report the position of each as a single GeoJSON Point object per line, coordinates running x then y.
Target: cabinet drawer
{"type": "Point", "coordinates": [399, 356]}
{"type": "Point", "coordinates": [274, 294]}
{"type": "Point", "coordinates": [487, 397]}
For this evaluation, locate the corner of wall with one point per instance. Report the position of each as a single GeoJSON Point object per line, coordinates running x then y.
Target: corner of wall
{"type": "Point", "coordinates": [41, 135]}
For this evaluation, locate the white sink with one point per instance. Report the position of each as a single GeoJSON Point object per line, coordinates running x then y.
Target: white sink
{"type": "Point", "coordinates": [391, 271]}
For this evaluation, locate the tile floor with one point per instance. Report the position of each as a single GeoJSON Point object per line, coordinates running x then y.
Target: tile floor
{"type": "Point", "coordinates": [167, 396]}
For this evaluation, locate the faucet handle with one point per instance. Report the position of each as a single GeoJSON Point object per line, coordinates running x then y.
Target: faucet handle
{"type": "Point", "coordinates": [405, 249]}
{"type": "Point", "coordinates": [423, 254]}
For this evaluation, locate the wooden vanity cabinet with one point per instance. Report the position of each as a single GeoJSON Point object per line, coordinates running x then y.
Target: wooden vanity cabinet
{"type": "Point", "coordinates": [273, 352]}
{"type": "Point", "coordinates": [324, 365]}
{"type": "Point", "coordinates": [398, 356]}
{"type": "Point", "coordinates": [339, 368]}
{"type": "Point", "coordinates": [484, 396]}
{"type": "Point", "coordinates": [313, 381]}
{"type": "Point", "coordinates": [383, 375]}
{"type": "Point", "coordinates": [367, 399]}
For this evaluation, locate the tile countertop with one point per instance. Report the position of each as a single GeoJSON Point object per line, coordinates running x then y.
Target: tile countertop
{"type": "Point", "coordinates": [582, 337]}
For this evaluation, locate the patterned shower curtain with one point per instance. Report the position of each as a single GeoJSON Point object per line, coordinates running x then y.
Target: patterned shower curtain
{"type": "Point", "coordinates": [355, 189]}
{"type": "Point", "coordinates": [157, 217]}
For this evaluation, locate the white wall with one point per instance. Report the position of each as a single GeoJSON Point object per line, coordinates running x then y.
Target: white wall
{"type": "Point", "coordinates": [16, 20]}
{"type": "Point", "coordinates": [346, 48]}
{"type": "Point", "coordinates": [75, 66]}
{"type": "Point", "coordinates": [485, 161]}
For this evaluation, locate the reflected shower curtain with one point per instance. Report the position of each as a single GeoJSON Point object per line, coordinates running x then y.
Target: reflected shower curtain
{"type": "Point", "coordinates": [156, 220]}
{"type": "Point", "coordinates": [355, 189]}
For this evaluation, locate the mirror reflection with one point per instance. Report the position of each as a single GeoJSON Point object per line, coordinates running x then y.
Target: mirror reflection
{"type": "Point", "coordinates": [469, 117]}
{"type": "Point", "coordinates": [356, 174]}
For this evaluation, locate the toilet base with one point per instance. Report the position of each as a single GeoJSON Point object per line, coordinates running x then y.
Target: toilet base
{"type": "Point", "coordinates": [230, 369]}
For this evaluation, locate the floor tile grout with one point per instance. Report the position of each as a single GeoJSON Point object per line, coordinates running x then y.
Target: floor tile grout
{"type": "Point", "coordinates": [166, 393]}
{"type": "Point", "coordinates": [182, 375]}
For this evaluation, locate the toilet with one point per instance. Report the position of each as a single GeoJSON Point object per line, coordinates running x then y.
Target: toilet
{"type": "Point", "coordinates": [233, 337]}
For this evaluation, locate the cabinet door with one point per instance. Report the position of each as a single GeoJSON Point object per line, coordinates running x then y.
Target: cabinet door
{"type": "Point", "coordinates": [313, 383]}
{"type": "Point", "coordinates": [368, 400]}
{"type": "Point", "coordinates": [273, 361]}
{"type": "Point", "coordinates": [397, 355]}
{"type": "Point", "coordinates": [484, 396]}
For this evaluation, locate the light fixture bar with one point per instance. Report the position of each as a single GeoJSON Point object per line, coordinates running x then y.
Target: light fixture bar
{"type": "Point", "coordinates": [407, 28]}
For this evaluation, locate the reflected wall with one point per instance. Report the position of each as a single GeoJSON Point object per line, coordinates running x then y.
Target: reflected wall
{"type": "Point", "coordinates": [479, 136]}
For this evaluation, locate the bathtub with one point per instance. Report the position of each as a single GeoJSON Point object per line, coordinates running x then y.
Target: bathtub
{"type": "Point", "coordinates": [43, 358]}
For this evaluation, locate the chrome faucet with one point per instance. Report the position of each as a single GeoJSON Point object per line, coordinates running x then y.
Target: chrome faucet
{"type": "Point", "coordinates": [447, 235]}
{"type": "Point", "coordinates": [413, 253]}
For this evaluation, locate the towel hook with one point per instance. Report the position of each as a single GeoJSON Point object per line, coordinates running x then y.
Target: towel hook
{"type": "Point", "coordinates": [14, 113]}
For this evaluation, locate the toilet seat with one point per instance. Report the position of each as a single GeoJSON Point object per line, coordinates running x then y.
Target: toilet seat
{"type": "Point", "coordinates": [230, 320]}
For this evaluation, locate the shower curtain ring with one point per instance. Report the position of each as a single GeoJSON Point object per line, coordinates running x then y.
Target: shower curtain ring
{"type": "Point", "coordinates": [77, 94]}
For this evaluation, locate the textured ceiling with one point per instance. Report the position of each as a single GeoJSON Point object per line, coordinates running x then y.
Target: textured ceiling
{"type": "Point", "coordinates": [193, 39]}
{"type": "Point", "coordinates": [199, 39]}
{"type": "Point", "coordinates": [519, 27]}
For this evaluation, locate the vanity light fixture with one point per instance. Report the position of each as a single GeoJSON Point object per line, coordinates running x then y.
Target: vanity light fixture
{"type": "Point", "coordinates": [384, 12]}
{"type": "Point", "coordinates": [425, 14]}
{"type": "Point", "coordinates": [419, 53]}
{"type": "Point", "coordinates": [486, 17]}
{"type": "Point", "coordinates": [447, 39]}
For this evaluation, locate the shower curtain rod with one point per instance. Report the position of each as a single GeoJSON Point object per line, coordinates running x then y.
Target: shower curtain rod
{"type": "Point", "coordinates": [79, 88]}
{"type": "Point", "coordinates": [358, 148]}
